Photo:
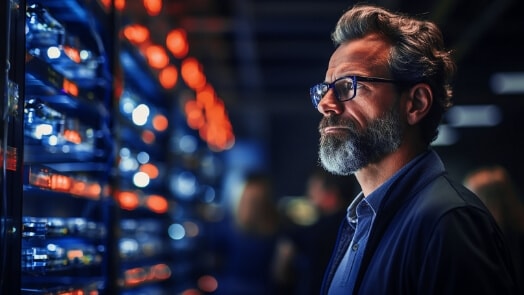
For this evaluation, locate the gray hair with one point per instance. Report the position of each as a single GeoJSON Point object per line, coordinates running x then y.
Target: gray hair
{"type": "Point", "coordinates": [417, 54]}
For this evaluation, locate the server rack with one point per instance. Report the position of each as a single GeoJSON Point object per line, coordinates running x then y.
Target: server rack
{"type": "Point", "coordinates": [67, 150]}
{"type": "Point", "coordinates": [94, 202]}
{"type": "Point", "coordinates": [146, 260]}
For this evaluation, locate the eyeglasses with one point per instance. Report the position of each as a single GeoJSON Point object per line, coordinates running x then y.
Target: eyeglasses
{"type": "Point", "coordinates": [345, 88]}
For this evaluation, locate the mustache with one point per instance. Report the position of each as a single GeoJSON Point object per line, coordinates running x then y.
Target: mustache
{"type": "Point", "coordinates": [334, 121]}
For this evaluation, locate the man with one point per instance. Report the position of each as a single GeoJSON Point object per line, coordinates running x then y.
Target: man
{"type": "Point", "coordinates": [411, 230]}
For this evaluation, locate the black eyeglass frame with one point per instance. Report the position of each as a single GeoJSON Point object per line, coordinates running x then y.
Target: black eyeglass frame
{"type": "Point", "coordinates": [318, 91]}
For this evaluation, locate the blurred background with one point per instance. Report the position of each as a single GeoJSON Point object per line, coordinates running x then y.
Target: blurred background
{"type": "Point", "coordinates": [262, 56]}
{"type": "Point", "coordinates": [164, 141]}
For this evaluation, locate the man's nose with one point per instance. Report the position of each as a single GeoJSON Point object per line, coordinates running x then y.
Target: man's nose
{"type": "Point", "coordinates": [330, 104]}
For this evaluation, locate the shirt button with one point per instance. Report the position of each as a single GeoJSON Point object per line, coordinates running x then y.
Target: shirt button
{"type": "Point", "coordinates": [355, 247]}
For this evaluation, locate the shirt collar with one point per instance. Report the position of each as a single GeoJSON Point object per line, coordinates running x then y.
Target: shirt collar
{"type": "Point", "coordinates": [352, 209]}
{"type": "Point", "coordinates": [375, 198]}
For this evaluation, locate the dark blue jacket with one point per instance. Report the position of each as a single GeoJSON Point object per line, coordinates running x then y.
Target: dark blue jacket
{"type": "Point", "coordinates": [430, 236]}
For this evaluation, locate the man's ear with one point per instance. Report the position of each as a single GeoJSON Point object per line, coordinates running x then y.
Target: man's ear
{"type": "Point", "coordinates": [420, 101]}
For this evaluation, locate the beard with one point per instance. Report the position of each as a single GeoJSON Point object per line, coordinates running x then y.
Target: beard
{"type": "Point", "coordinates": [346, 153]}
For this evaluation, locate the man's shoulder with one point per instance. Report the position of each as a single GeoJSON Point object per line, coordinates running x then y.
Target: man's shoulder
{"type": "Point", "coordinates": [445, 193]}
{"type": "Point", "coordinates": [441, 197]}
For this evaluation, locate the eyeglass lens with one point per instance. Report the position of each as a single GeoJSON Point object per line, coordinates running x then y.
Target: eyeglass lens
{"type": "Point", "coordinates": [344, 90]}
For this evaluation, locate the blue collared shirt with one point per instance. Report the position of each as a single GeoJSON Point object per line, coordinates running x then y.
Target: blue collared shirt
{"type": "Point", "coordinates": [361, 214]}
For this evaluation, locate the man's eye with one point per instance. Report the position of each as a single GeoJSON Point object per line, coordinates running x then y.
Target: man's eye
{"type": "Point", "coordinates": [345, 86]}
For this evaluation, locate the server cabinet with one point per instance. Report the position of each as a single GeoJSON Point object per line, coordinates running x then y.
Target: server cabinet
{"type": "Point", "coordinates": [68, 150]}
{"type": "Point", "coordinates": [102, 181]}
{"type": "Point", "coordinates": [141, 191]}
{"type": "Point", "coordinates": [166, 176]}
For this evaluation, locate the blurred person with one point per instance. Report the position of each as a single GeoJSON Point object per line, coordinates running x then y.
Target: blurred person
{"type": "Point", "coordinates": [312, 242]}
{"type": "Point", "coordinates": [496, 188]}
{"type": "Point", "coordinates": [411, 229]}
{"type": "Point", "coordinates": [244, 245]}
{"type": "Point", "coordinates": [329, 193]}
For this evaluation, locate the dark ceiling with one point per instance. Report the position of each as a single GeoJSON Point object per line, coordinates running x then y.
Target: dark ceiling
{"type": "Point", "coordinates": [262, 56]}
{"type": "Point", "coordinates": [272, 51]}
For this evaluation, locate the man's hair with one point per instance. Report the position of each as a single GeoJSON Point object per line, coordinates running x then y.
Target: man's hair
{"type": "Point", "coordinates": [417, 54]}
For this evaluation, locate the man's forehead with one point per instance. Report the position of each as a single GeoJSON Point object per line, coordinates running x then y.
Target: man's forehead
{"type": "Point", "coordinates": [363, 56]}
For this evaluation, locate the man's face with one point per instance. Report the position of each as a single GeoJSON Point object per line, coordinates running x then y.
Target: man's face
{"type": "Point", "coordinates": [361, 131]}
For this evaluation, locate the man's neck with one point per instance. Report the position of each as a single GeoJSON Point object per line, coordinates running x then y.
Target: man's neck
{"type": "Point", "coordinates": [375, 174]}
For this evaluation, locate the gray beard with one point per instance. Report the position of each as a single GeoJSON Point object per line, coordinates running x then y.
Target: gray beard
{"type": "Point", "coordinates": [345, 154]}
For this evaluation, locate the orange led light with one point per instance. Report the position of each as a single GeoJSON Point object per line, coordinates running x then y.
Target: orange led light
{"type": "Point", "coordinates": [206, 96]}
{"type": "Point", "coordinates": [156, 56]}
{"type": "Point", "coordinates": [207, 112]}
{"type": "Point", "coordinates": [160, 122]}
{"type": "Point", "coordinates": [75, 254]}
{"type": "Point", "coordinates": [194, 114]}
{"type": "Point", "coordinates": [176, 42]}
{"type": "Point", "coordinates": [94, 189]}
{"type": "Point", "coordinates": [40, 178]}
{"type": "Point", "coordinates": [208, 283]}
{"type": "Point", "coordinates": [148, 136]}
{"type": "Point", "coordinates": [168, 77]}
{"type": "Point", "coordinates": [120, 4]}
{"type": "Point", "coordinates": [78, 187]}
{"type": "Point", "coordinates": [135, 276]}
{"type": "Point", "coordinates": [60, 182]}
{"type": "Point", "coordinates": [72, 53]}
{"type": "Point", "coordinates": [217, 114]}
{"type": "Point", "coordinates": [150, 169]}
{"type": "Point", "coordinates": [128, 200]}
{"type": "Point", "coordinates": [136, 34]}
{"type": "Point", "coordinates": [72, 136]}
{"type": "Point", "coordinates": [192, 74]}
{"type": "Point", "coordinates": [157, 204]}
{"type": "Point", "coordinates": [70, 87]}
{"type": "Point", "coordinates": [160, 271]}
{"type": "Point", "coordinates": [153, 7]}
